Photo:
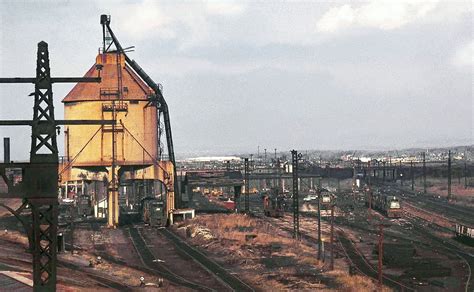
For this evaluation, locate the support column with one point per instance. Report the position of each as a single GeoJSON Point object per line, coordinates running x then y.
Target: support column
{"type": "Point", "coordinates": [296, 214]}
{"type": "Point", "coordinates": [6, 150]}
{"type": "Point", "coordinates": [449, 175]}
{"type": "Point", "coordinates": [384, 171]}
{"type": "Point", "coordinates": [112, 199]}
{"type": "Point", "coordinates": [45, 214]}
{"type": "Point", "coordinates": [424, 172]}
{"type": "Point", "coordinates": [41, 178]}
{"type": "Point", "coordinates": [247, 185]}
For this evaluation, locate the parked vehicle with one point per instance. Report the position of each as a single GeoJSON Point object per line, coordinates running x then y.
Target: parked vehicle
{"type": "Point", "coordinates": [274, 204]}
{"type": "Point", "coordinates": [464, 234]}
{"type": "Point", "coordinates": [388, 205]}
{"type": "Point", "coordinates": [153, 212]}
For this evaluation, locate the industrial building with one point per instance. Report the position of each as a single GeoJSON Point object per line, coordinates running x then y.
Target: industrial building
{"type": "Point", "coordinates": [108, 169]}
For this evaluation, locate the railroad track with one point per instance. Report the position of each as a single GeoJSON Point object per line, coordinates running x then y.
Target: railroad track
{"type": "Point", "coordinates": [101, 280]}
{"type": "Point", "coordinates": [363, 266]}
{"type": "Point", "coordinates": [467, 257]}
{"type": "Point", "coordinates": [358, 259]}
{"type": "Point", "coordinates": [428, 230]}
{"type": "Point", "coordinates": [218, 271]}
{"type": "Point", "coordinates": [345, 247]}
{"type": "Point", "coordinates": [147, 259]}
{"type": "Point", "coordinates": [459, 214]}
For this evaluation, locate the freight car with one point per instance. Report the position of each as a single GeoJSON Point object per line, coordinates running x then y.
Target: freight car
{"type": "Point", "coordinates": [388, 205]}
{"type": "Point", "coordinates": [153, 212]}
{"type": "Point", "coordinates": [464, 234]}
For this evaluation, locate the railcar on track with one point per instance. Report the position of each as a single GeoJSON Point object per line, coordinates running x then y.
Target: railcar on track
{"type": "Point", "coordinates": [464, 234]}
{"type": "Point", "coordinates": [153, 212]}
{"type": "Point", "coordinates": [389, 205]}
{"type": "Point", "coordinates": [274, 204]}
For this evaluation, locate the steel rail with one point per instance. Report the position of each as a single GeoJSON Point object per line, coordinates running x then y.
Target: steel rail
{"type": "Point", "coordinates": [146, 256]}
{"type": "Point", "coordinates": [218, 271]}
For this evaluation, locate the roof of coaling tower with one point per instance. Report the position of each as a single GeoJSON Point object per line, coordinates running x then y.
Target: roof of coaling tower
{"type": "Point", "coordinates": [133, 86]}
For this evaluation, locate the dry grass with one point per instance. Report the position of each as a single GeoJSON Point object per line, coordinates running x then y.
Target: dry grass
{"type": "Point", "coordinates": [251, 258]}
{"type": "Point", "coordinates": [356, 283]}
{"type": "Point", "coordinates": [439, 187]}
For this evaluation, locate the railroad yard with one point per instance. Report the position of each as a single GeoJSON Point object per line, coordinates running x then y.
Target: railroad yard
{"type": "Point", "coordinates": [107, 199]}
{"type": "Point", "coordinates": [224, 250]}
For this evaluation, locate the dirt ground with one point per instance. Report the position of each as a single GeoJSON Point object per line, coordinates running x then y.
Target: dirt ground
{"type": "Point", "coordinates": [118, 264]}
{"type": "Point", "coordinates": [439, 187]}
{"type": "Point", "coordinates": [174, 260]}
{"type": "Point", "coordinates": [12, 203]}
{"type": "Point", "coordinates": [267, 257]}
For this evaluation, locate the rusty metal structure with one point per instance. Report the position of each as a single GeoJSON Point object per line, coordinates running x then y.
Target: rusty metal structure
{"type": "Point", "coordinates": [38, 188]}
{"type": "Point", "coordinates": [126, 157]}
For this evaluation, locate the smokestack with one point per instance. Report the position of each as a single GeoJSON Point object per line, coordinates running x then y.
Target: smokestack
{"type": "Point", "coordinates": [6, 150]}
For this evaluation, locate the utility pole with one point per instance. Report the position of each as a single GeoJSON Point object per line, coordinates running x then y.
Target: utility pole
{"type": "Point", "coordinates": [247, 185]}
{"type": "Point", "coordinates": [369, 214]}
{"type": "Point", "coordinates": [72, 210]}
{"type": "Point", "coordinates": [380, 274]}
{"type": "Point", "coordinates": [401, 173]}
{"type": "Point", "coordinates": [265, 159]}
{"type": "Point", "coordinates": [369, 170]}
{"type": "Point", "coordinates": [412, 174]}
{"type": "Point", "coordinates": [6, 150]}
{"type": "Point", "coordinates": [465, 169]}
{"type": "Point", "coordinates": [424, 172]}
{"type": "Point", "coordinates": [319, 224]}
{"type": "Point", "coordinates": [296, 211]}
{"type": "Point", "coordinates": [375, 169]}
{"type": "Point", "coordinates": [275, 154]}
{"type": "Point", "coordinates": [384, 173]}
{"type": "Point", "coordinates": [369, 187]}
{"type": "Point", "coordinates": [353, 178]}
{"type": "Point", "coordinates": [331, 265]}
{"type": "Point", "coordinates": [449, 175]}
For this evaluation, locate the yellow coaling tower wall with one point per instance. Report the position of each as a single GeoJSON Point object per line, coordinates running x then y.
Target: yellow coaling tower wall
{"type": "Point", "coordinates": [88, 148]}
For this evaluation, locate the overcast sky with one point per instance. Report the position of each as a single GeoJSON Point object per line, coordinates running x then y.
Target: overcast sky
{"type": "Point", "coordinates": [237, 74]}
